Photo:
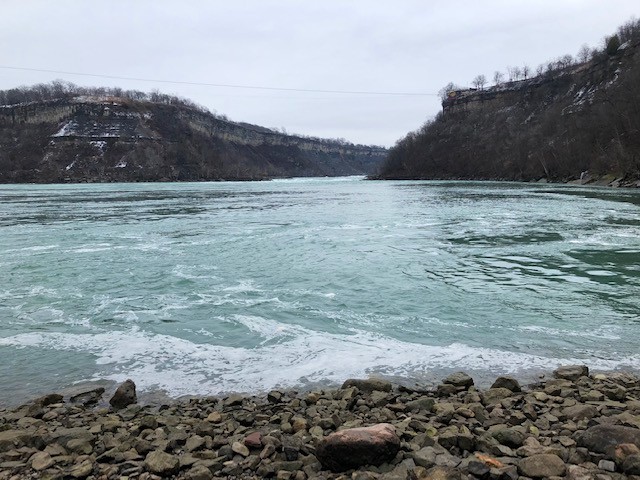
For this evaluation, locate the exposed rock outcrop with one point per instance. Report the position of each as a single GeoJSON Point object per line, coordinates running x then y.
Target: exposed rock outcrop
{"type": "Point", "coordinates": [107, 138]}
{"type": "Point", "coordinates": [576, 123]}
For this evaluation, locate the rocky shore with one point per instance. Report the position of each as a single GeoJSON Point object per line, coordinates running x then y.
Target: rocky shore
{"type": "Point", "coordinates": [573, 425]}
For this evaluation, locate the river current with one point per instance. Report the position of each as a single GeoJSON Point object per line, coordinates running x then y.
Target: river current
{"type": "Point", "coordinates": [209, 288]}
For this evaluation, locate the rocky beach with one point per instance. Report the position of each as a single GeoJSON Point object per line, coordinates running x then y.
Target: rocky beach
{"type": "Point", "coordinates": [570, 425]}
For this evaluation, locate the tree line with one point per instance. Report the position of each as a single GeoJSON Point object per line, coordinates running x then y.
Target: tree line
{"type": "Point", "coordinates": [64, 90]}
{"type": "Point", "coordinates": [628, 33]}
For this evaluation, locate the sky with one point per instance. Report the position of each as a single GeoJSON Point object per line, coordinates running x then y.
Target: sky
{"type": "Point", "coordinates": [401, 47]}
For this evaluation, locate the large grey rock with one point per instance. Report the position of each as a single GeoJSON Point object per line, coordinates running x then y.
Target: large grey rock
{"type": "Point", "coordinates": [161, 463]}
{"type": "Point", "coordinates": [424, 403]}
{"type": "Point", "coordinates": [199, 472]}
{"type": "Point", "coordinates": [446, 390]}
{"type": "Point", "coordinates": [10, 439]}
{"type": "Point", "coordinates": [631, 465]}
{"type": "Point", "coordinates": [571, 372]}
{"type": "Point", "coordinates": [49, 399]}
{"type": "Point", "coordinates": [41, 461]}
{"type": "Point", "coordinates": [89, 397]}
{"type": "Point", "coordinates": [544, 465]}
{"type": "Point", "coordinates": [368, 385]}
{"type": "Point", "coordinates": [580, 412]}
{"type": "Point", "coordinates": [604, 438]}
{"type": "Point", "coordinates": [459, 380]}
{"type": "Point", "coordinates": [425, 457]}
{"type": "Point", "coordinates": [510, 437]}
{"type": "Point", "coordinates": [125, 395]}
{"type": "Point", "coordinates": [82, 470]}
{"type": "Point", "coordinates": [63, 436]}
{"type": "Point", "coordinates": [509, 383]}
{"type": "Point", "coordinates": [443, 473]}
{"type": "Point", "coordinates": [355, 447]}
{"type": "Point", "coordinates": [495, 395]}
{"type": "Point", "coordinates": [233, 400]}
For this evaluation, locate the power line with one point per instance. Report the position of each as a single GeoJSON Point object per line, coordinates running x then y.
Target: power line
{"type": "Point", "coordinates": [222, 85]}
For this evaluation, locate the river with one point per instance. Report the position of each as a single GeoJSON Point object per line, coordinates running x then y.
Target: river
{"type": "Point", "coordinates": [208, 288]}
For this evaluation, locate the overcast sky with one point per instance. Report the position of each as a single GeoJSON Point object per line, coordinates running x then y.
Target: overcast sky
{"type": "Point", "coordinates": [410, 46]}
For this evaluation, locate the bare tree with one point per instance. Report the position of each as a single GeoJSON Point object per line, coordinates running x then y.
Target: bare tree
{"type": "Point", "coordinates": [526, 71]}
{"type": "Point", "coordinates": [584, 53]}
{"type": "Point", "coordinates": [567, 60]}
{"type": "Point", "coordinates": [479, 82]}
{"type": "Point", "coordinates": [449, 87]}
{"type": "Point", "coordinates": [498, 77]}
{"type": "Point", "coordinates": [517, 73]}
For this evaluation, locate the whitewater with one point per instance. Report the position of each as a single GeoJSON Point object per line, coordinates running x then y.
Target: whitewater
{"type": "Point", "coordinates": [211, 288]}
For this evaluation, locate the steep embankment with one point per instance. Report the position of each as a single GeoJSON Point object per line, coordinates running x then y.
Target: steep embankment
{"type": "Point", "coordinates": [580, 122]}
{"type": "Point", "coordinates": [107, 138]}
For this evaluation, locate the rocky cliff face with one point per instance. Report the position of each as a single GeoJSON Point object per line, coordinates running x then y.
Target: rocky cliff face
{"type": "Point", "coordinates": [579, 122]}
{"type": "Point", "coordinates": [101, 139]}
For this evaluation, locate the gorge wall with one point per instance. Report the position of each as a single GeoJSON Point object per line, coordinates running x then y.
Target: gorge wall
{"type": "Point", "coordinates": [109, 138]}
{"type": "Point", "coordinates": [579, 123]}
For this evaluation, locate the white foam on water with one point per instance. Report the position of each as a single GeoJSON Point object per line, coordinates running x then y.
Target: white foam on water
{"type": "Point", "coordinates": [98, 247]}
{"type": "Point", "coordinates": [185, 271]}
{"type": "Point", "coordinates": [601, 273]}
{"type": "Point", "coordinates": [265, 328]}
{"type": "Point", "coordinates": [149, 246]}
{"type": "Point", "coordinates": [35, 248]}
{"type": "Point", "coordinates": [243, 286]}
{"type": "Point", "coordinates": [182, 367]}
{"type": "Point", "coordinates": [316, 179]}
{"type": "Point", "coordinates": [606, 332]}
{"type": "Point", "coordinates": [31, 292]}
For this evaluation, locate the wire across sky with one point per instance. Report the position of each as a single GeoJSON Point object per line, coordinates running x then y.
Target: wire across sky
{"type": "Point", "coordinates": [222, 85]}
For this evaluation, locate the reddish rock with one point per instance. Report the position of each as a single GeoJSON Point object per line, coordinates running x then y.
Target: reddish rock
{"type": "Point", "coordinates": [624, 450]}
{"type": "Point", "coordinates": [356, 447]}
{"type": "Point", "coordinates": [253, 440]}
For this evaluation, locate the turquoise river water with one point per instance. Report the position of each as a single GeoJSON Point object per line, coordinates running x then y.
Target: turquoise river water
{"type": "Point", "coordinates": [208, 288]}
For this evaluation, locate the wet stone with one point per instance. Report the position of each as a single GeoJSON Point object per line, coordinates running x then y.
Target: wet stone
{"type": "Point", "coordinates": [459, 380]}
{"type": "Point", "coordinates": [125, 395]}
{"type": "Point", "coordinates": [368, 385]}
{"type": "Point", "coordinates": [571, 372]}
{"type": "Point", "coordinates": [509, 383]}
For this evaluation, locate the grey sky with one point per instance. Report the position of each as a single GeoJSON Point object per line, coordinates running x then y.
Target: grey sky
{"type": "Point", "coordinates": [369, 45]}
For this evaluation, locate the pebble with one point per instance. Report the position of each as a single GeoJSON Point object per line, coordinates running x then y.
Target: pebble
{"type": "Point", "coordinates": [569, 425]}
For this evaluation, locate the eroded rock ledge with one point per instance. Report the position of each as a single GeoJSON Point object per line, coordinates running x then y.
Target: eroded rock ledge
{"type": "Point", "coordinates": [575, 426]}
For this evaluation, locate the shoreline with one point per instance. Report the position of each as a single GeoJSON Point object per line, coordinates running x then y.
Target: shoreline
{"type": "Point", "coordinates": [602, 181]}
{"type": "Point", "coordinates": [570, 424]}
{"type": "Point", "coordinates": [158, 396]}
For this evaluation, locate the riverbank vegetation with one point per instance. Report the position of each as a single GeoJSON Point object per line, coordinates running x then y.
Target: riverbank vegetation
{"type": "Point", "coordinates": [576, 118]}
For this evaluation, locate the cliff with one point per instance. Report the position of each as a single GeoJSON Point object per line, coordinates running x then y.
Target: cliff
{"type": "Point", "coordinates": [578, 122]}
{"type": "Point", "coordinates": [104, 138]}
